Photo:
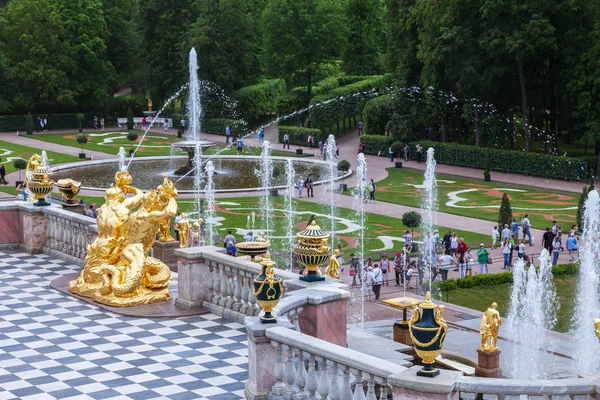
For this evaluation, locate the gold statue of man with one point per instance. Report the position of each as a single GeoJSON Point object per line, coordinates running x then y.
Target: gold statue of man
{"type": "Point", "coordinates": [149, 105]}
{"type": "Point", "coordinates": [333, 269]}
{"type": "Point", "coordinates": [488, 329]}
{"type": "Point", "coordinates": [183, 227]}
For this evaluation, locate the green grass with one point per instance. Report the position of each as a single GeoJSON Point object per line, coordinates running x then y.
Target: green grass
{"type": "Point", "coordinates": [480, 298]}
{"type": "Point", "coordinates": [397, 189]}
{"type": "Point", "coordinates": [25, 152]}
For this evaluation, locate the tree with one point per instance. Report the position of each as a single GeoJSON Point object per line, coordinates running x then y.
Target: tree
{"type": "Point", "coordinates": [505, 214]}
{"type": "Point", "coordinates": [129, 119]}
{"type": "Point", "coordinates": [581, 208]}
{"type": "Point", "coordinates": [19, 164]}
{"type": "Point", "coordinates": [226, 39]}
{"type": "Point", "coordinates": [402, 41]}
{"type": "Point", "coordinates": [29, 124]}
{"type": "Point", "coordinates": [80, 120]}
{"type": "Point", "coordinates": [132, 137]}
{"type": "Point", "coordinates": [122, 38]}
{"type": "Point", "coordinates": [82, 139]}
{"type": "Point", "coordinates": [164, 23]}
{"type": "Point", "coordinates": [300, 36]}
{"type": "Point", "coordinates": [411, 219]}
{"type": "Point", "coordinates": [361, 55]}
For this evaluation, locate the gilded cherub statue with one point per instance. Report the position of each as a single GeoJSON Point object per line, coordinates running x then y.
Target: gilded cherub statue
{"type": "Point", "coordinates": [333, 269]}
{"type": "Point", "coordinates": [183, 227]}
{"type": "Point", "coordinates": [488, 329]}
{"type": "Point", "coordinates": [196, 233]}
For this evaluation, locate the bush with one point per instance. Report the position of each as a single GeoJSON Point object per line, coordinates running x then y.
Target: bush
{"type": "Point", "coordinates": [120, 105]}
{"type": "Point", "coordinates": [29, 124]}
{"type": "Point", "coordinates": [80, 119]}
{"type": "Point", "coordinates": [82, 139]}
{"type": "Point", "coordinates": [398, 148]}
{"type": "Point", "coordinates": [377, 144]}
{"type": "Point", "coordinates": [411, 219]}
{"type": "Point", "coordinates": [132, 137]}
{"type": "Point", "coordinates": [55, 121]}
{"type": "Point", "coordinates": [298, 135]}
{"type": "Point", "coordinates": [129, 119]}
{"type": "Point", "coordinates": [343, 165]}
{"type": "Point", "coordinates": [257, 100]}
{"type": "Point", "coordinates": [505, 213]}
{"type": "Point", "coordinates": [218, 125]}
{"type": "Point", "coordinates": [536, 164]}
{"type": "Point", "coordinates": [19, 164]}
{"type": "Point", "coordinates": [377, 113]}
{"type": "Point", "coordinates": [290, 102]}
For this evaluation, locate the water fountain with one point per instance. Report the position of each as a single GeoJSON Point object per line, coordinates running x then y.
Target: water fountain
{"type": "Point", "coordinates": [531, 313]}
{"type": "Point", "coordinates": [429, 206]}
{"type": "Point", "coordinates": [44, 160]}
{"type": "Point", "coordinates": [332, 173]}
{"type": "Point", "coordinates": [266, 179]}
{"type": "Point", "coordinates": [122, 157]}
{"type": "Point", "coordinates": [194, 111]}
{"type": "Point", "coordinates": [209, 210]}
{"type": "Point", "coordinates": [587, 303]}
{"type": "Point", "coordinates": [359, 207]}
{"type": "Point", "coordinates": [290, 187]}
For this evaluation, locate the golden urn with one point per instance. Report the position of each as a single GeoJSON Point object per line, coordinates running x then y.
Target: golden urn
{"type": "Point", "coordinates": [428, 331]}
{"type": "Point", "coordinates": [38, 180]}
{"type": "Point", "coordinates": [312, 250]}
{"type": "Point", "coordinates": [69, 188]}
{"type": "Point", "coordinates": [253, 249]}
{"type": "Point", "coordinates": [267, 289]}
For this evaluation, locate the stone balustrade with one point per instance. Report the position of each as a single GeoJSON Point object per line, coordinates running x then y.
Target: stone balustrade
{"type": "Point", "coordinates": [526, 389]}
{"type": "Point", "coordinates": [68, 234]}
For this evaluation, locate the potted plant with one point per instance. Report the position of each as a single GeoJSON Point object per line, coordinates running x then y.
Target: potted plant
{"type": "Point", "coordinates": [132, 137]}
{"type": "Point", "coordinates": [412, 219]}
{"type": "Point", "coordinates": [29, 124]}
{"type": "Point", "coordinates": [19, 164]}
{"type": "Point", "coordinates": [129, 119]}
{"type": "Point", "coordinates": [486, 173]}
{"type": "Point", "coordinates": [82, 139]}
{"type": "Point", "coordinates": [343, 166]}
{"type": "Point", "coordinates": [398, 149]}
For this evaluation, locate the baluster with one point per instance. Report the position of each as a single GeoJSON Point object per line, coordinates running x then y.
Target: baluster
{"type": "Point", "coordinates": [252, 310]}
{"type": "Point", "coordinates": [371, 388]}
{"type": "Point", "coordinates": [61, 238]}
{"type": "Point", "coordinates": [278, 371]}
{"type": "Point", "coordinates": [49, 231]}
{"type": "Point", "coordinates": [209, 281]}
{"type": "Point", "coordinates": [245, 281]}
{"type": "Point", "coordinates": [224, 285]}
{"type": "Point", "coordinates": [334, 387]}
{"type": "Point", "coordinates": [384, 389]}
{"type": "Point", "coordinates": [290, 375]}
{"type": "Point", "coordinates": [70, 241]}
{"type": "Point", "coordinates": [311, 378]}
{"type": "Point", "coordinates": [359, 392]}
{"type": "Point", "coordinates": [295, 320]}
{"type": "Point", "coordinates": [217, 284]}
{"type": "Point", "coordinates": [80, 237]}
{"type": "Point", "coordinates": [301, 377]}
{"type": "Point", "coordinates": [346, 392]}
{"type": "Point", "coordinates": [323, 388]}
{"type": "Point", "coordinates": [501, 396]}
{"type": "Point", "coordinates": [237, 290]}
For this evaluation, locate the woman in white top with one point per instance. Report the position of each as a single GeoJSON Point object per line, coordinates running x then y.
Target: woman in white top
{"type": "Point", "coordinates": [368, 283]}
{"type": "Point", "coordinates": [445, 262]}
{"type": "Point", "coordinates": [453, 245]}
{"type": "Point", "coordinates": [506, 253]}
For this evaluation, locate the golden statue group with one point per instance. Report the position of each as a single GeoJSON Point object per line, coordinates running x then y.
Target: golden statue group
{"type": "Point", "coordinates": [488, 329]}
{"type": "Point", "coordinates": [118, 271]}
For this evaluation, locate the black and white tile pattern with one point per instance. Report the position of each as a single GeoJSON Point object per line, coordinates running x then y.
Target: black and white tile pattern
{"type": "Point", "coordinates": [53, 346]}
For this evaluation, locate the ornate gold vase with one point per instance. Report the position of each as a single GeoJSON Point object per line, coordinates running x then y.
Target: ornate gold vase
{"type": "Point", "coordinates": [428, 330]}
{"type": "Point", "coordinates": [69, 188]}
{"type": "Point", "coordinates": [267, 289]}
{"type": "Point", "coordinates": [40, 184]}
{"type": "Point", "coordinates": [252, 249]}
{"type": "Point", "coordinates": [312, 250]}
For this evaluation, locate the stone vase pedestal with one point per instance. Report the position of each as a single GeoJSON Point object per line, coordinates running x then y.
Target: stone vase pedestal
{"type": "Point", "coordinates": [401, 334]}
{"type": "Point", "coordinates": [488, 364]}
{"type": "Point", "coordinates": [165, 252]}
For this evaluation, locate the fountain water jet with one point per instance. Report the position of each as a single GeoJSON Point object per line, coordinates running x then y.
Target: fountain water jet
{"type": "Point", "coordinates": [330, 155]}
{"type": "Point", "coordinates": [266, 179]}
{"type": "Point", "coordinates": [122, 157]}
{"type": "Point", "coordinates": [531, 313]}
{"type": "Point", "coordinates": [209, 211]}
{"type": "Point", "coordinates": [44, 160]}
{"type": "Point", "coordinates": [587, 302]}
{"type": "Point", "coordinates": [359, 207]}
{"type": "Point", "coordinates": [290, 187]}
{"type": "Point", "coordinates": [429, 206]}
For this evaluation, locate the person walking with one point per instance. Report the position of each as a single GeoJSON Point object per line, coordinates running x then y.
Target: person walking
{"type": "Point", "coordinates": [229, 239]}
{"type": "Point", "coordinates": [446, 241]}
{"type": "Point", "coordinates": [372, 190]}
{"type": "Point", "coordinates": [462, 265]}
{"type": "Point", "coordinates": [521, 249]}
{"type": "Point", "coordinates": [321, 146]}
{"type": "Point", "coordinates": [368, 283]}
{"type": "Point", "coordinates": [505, 233]}
{"type": "Point", "coordinates": [482, 259]}
{"type": "Point", "coordinates": [506, 253]}
{"type": "Point", "coordinates": [419, 153]}
{"type": "Point", "coordinates": [494, 237]}
{"type": "Point", "coordinates": [2, 174]}
{"type": "Point", "coordinates": [527, 229]}
{"type": "Point", "coordinates": [286, 140]}
{"type": "Point", "coordinates": [547, 239]}
{"type": "Point", "coordinates": [227, 134]}
{"type": "Point", "coordinates": [453, 244]}
{"type": "Point", "coordinates": [445, 263]}
{"type": "Point", "coordinates": [300, 186]}
{"type": "Point", "coordinates": [377, 281]}
{"type": "Point", "coordinates": [360, 128]}
{"type": "Point", "coordinates": [385, 268]}
{"type": "Point", "coordinates": [572, 245]}
{"type": "Point", "coordinates": [391, 154]}
{"type": "Point", "coordinates": [261, 134]}
{"type": "Point", "coordinates": [514, 227]}
{"type": "Point", "coordinates": [308, 183]}
{"type": "Point", "coordinates": [45, 124]}
{"type": "Point", "coordinates": [166, 124]}
{"type": "Point", "coordinates": [182, 123]}
{"type": "Point", "coordinates": [102, 123]}
{"type": "Point", "coordinates": [96, 122]}
{"type": "Point", "coordinates": [398, 268]}
{"type": "Point", "coordinates": [556, 249]}
{"type": "Point", "coordinates": [240, 146]}
{"type": "Point", "coordinates": [406, 149]}
{"type": "Point", "coordinates": [311, 141]}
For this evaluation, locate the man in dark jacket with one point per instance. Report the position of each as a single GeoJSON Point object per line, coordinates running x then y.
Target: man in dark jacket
{"type": "Point", "coordinates": [2, 173]}
{"type": "Point", "coordinates": [547, 239]}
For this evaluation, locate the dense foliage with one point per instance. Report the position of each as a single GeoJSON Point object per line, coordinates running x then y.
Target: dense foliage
{"type": "Point", "coordinates": [298, 135]}
{"type": "Point", "coordinates": [505, 215]}
{"type": "Point", "coordinates": [259, 99]}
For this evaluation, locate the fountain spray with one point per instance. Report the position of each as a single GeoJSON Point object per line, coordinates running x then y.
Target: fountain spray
{"type": "Point", "coordinates": [290, 186]}
{"type": "Point", "coordinates": [121, 155]}
{"type": "Point", "coordinates": [429, 206]}
{"type": "Point", "coordinates": [266, 179]}
{"type": "Point", "coordinates": [209, 195]}
{"type": "Point", "coordinates": [330, 155]}
{"type": "Point", "coordinates": [194, 105]}
{"type": "Point", "coordinates": [359, 206]}
{"type": "Point", "coordinates": [44, 160]}
{"type": "Point", "coordinates": [198, 179]}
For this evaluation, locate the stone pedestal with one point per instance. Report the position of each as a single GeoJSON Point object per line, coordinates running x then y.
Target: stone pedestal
{"type": "Point", "coordinates": [401, 334]}
{"type": "Point", "coordinates": [261, 377]}
{"type": "Point", "coordinates": [193, 276]}
{"type": "Point", "coordinates": [488, 364]}
{"type": "Point", "coordinates": [165, 252]}
{"type": "Point", "coordinates": [407, 385]}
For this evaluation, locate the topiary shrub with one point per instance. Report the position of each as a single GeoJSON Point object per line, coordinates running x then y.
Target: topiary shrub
{"type": "Point", "coordinates": [397, 148]}
{"type": "Point", "coordinates": [132, 137]}
{"type": "Point", "coordinates": [411, 219]}
{"type": "Point", "coordinates": [343, 165]}
{"type": "Point", "coordinates": [82, 139]}
{"type": "Point", "coordinates": [129, 119]}
{"type": "Point", "coordinates": [19, 164]}
{"type": "Point", "coordinates": [505, 214]}
{"type": "Point", "coordinates": [377, 113]}
{"type": "Point", "coordinates": [80, 120]}
{"type": "Point", "coordinates": [29, 124]}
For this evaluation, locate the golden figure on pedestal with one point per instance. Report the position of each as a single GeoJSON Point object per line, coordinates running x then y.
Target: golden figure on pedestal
{"type": "Point", "coordinates": [118, 271]}
{"type": "Point", "coordinates": [183, 227]}
{"type": "Point", "coordinates": [196, 233]}
{"type": "Point", "coordinates": [488, 329]}
{"type": "Point", "coordinates": [333, 269]}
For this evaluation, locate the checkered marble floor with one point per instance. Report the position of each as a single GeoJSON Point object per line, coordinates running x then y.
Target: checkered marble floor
{"type": "Point", "coordinates": [53, 346]}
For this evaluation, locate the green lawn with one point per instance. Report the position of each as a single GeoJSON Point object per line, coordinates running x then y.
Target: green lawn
{"type": "Point", "coordinates": [480, 298]}
{"type": "Point", "coordinates": [482, 199]}
{"type": "Point", "coordinates": [10, 151]}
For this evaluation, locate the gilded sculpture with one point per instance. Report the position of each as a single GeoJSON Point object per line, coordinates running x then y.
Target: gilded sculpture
{"type": "Point", "coordinates": [183, 227]}
{"type": "Point", "coordinates": [488, 329]}
{"type": "Point", "coordinates": [37, 180]}
{"type": "Point", "coordinates": [118, 271]}
{"type": "Point", "coordinates": [597, 327]}
{"type": "Point", "coordinates": [196, 233]}
{"type": "Point", "coordinates": [333, 268]}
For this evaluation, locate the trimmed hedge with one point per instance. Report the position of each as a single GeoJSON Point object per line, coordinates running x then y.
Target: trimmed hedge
{"type": "Point", "coordinates": [217, 126]}
{"type": "Point", "coordinates": [299, 135]}
{"type": "Point", "coordinates": [346, 102]}
{"type": "Point", "coordinates": [55, 121]}
{"type": "Point", "coordinates": [287, 103]}
{"type": "Point", "coordinates": [377, 144]}
{"type": "Point", "coordinates": [257, 100]}
{"type": "Point", "coordinates": [377, 113]}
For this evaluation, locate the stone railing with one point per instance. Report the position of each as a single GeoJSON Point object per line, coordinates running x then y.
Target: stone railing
{"type": "Point", "coordinates": [286, 364]}
{"type": "Point", "coordinates": [68, 234]}
{"type": "Point", "coordinates": [525, 389]}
